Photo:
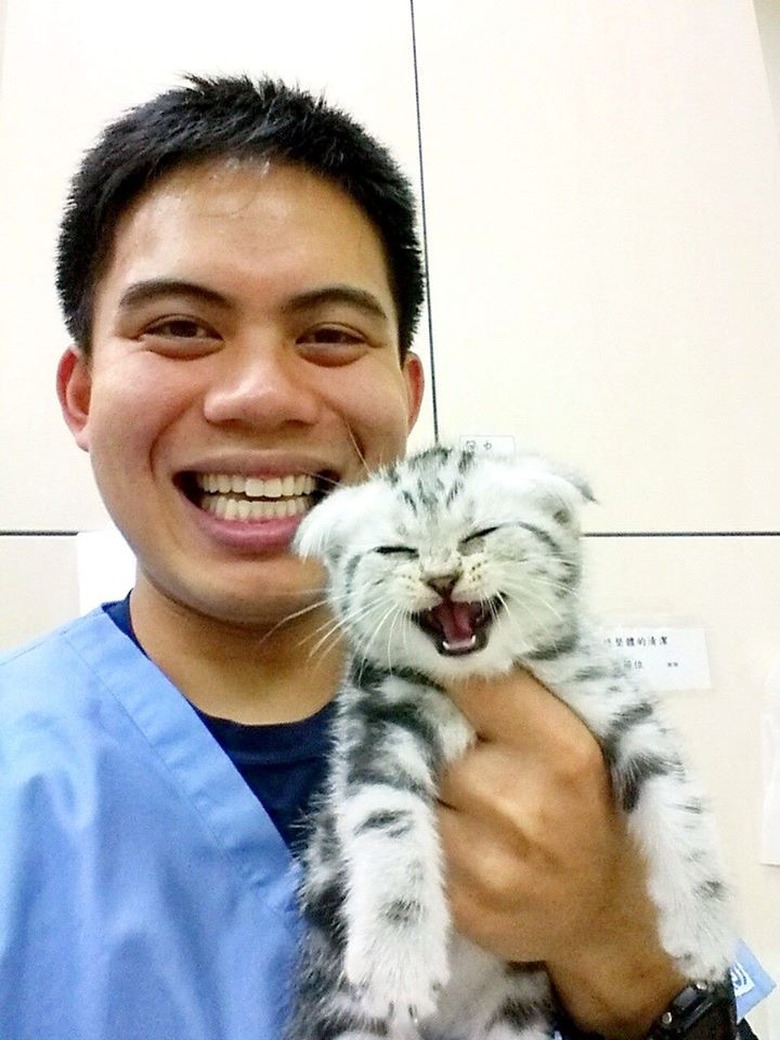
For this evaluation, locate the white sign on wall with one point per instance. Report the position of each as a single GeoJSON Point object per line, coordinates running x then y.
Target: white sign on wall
{"type": "Point", "coordinates": [664, 657]}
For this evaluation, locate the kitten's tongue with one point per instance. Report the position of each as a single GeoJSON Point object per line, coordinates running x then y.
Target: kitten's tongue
{"type": "Point", "coordinates": [456, 621]}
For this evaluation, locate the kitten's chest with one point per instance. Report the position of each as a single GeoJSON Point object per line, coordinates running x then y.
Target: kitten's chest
{"type": "Point", "coordinates": [455, 732]}
{"type": "Point", "coordinates": [409, 717]}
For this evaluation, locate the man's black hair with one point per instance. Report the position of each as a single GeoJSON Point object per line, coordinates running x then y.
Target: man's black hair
{"type": "Point", "coordinates": [231, 117]}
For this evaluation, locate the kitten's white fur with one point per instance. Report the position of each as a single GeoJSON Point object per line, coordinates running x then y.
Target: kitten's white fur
{"type": "Point", "coordinates": [383, 543]}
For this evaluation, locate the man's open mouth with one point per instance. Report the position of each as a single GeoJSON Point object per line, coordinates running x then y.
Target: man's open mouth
{"type": "Point", "coordinates": [236, 496]}
{"type": "Point", "coordinates": [458, 628]}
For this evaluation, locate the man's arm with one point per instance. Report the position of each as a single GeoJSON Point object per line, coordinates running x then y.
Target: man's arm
{"type": "Point", "coordinates": [539, 863]}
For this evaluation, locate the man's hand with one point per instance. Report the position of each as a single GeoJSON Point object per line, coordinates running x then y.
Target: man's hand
{"type": "Point", "coordinates": [539, 863]}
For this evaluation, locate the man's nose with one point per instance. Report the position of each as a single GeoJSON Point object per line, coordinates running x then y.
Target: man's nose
{"type": "Point", "coordinates": [260, 384]}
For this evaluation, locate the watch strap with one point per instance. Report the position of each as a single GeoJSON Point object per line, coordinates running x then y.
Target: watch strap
{"type": "Point", "coordinates": [699, 1012]}
{"type": "Point", "coordinates": [702, 1011]}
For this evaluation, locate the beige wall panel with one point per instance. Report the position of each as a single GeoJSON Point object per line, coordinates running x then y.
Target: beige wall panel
{"type": "Point", "coordinates": [70, 67]}
{"type": "Point", "coordinates": [39, 586]}
{"type": "Point", "coordinates": [603, 204]}
{"type": "Point", "coordinates": [729, 587]}
{"type": "Point", "coordinates": [768, 19]}
{"type": "Point", "coordinates": [3, 5]}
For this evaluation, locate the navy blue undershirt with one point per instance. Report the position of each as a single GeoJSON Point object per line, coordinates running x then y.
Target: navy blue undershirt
{"type": "Point", "coordinates": [283, 763]}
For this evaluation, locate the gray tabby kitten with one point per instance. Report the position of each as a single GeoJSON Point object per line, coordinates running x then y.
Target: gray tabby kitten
{"type": "Point", "coordinates": [444, 565]}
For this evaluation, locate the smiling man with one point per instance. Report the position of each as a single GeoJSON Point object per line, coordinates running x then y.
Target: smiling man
{"type": "Point", "coordinates": [230, 383]}
{"type": "Point", "coordinates": [240, 274]}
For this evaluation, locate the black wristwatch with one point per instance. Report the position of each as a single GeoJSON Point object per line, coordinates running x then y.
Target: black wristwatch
{"type": "Point", "coordinates": [700, 1012]}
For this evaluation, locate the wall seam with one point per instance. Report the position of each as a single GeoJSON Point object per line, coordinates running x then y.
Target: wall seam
{"type": "Point", "coordinates": [424, 222]}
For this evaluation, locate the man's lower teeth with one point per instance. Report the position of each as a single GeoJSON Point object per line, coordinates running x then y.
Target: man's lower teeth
{"type": "Point", "coordinates": [245, 509]}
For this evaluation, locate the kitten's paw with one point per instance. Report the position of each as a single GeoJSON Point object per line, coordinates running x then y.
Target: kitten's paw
{"type": "Point", "coordinates": [700, 937]}
{"type": "Point", "coordinates": [394, 984]}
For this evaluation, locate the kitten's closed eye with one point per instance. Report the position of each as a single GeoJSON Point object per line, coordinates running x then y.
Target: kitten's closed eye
{"type": "Point", "coordinates": [483, 533]}
{"type": "Point", "coordinates": [395, 550]}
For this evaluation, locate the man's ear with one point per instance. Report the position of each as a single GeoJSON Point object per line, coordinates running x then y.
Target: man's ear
{"type": "Point", "coordinates": [74, 387]}
{"type": "Point", "coordinates": [415, 386]}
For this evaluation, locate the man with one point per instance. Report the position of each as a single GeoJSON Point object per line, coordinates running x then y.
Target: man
{"type": "Point", "coordinates": [240, 273]}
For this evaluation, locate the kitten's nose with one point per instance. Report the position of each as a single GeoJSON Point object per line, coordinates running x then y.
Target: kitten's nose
{"type": "Point", "coordinates": [443, 583]}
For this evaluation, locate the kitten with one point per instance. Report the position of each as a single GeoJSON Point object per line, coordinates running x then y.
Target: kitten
{"type": "Point", "coordinates": [445, 565]}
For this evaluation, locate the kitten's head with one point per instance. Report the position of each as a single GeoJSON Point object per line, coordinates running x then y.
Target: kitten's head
{"type": "Point", "coordinates": [449, 562]}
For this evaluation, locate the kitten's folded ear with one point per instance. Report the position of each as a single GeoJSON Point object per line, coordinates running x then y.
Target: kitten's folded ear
{"type": "Point", "coordinates": [567, 492]}
{"type": "Point", "coordinates": [323, 532]}
{"type": "Point", "coordinates": [580, 484]}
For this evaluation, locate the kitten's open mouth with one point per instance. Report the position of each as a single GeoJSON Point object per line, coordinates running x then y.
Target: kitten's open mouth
{"type": "Point", "coordinates": [458, 628]}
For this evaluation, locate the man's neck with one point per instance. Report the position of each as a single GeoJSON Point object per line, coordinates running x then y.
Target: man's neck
{"type": "Point", "coordinates": [256, 674]}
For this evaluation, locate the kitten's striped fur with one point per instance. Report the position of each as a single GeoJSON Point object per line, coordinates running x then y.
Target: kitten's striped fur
{"type": "Point", "coordinates": [443, 529]}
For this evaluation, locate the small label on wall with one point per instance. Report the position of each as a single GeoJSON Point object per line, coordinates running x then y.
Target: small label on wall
{"type": "Point", "coordinates": [664, 657]}
{"type": "Point", "coordinates": [495, 443]}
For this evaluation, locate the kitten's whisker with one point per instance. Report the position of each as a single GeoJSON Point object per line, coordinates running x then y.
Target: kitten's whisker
{"type": "Point", "coordinates": [316, 605]}
{"type": "Point", "coordinates": [399, 615]}
{"type": "Point", "coordinates": [491, 604]}
{"type": "Point", "coordinates": [525, 591]}
{"type": "Point", "coordinates": [378, 627]}
{"type": "Point", "coordinates": [342, 621]}
{"type": "Point", "coordinates": [407, 629]}
{"type": "Point", "coordinates": [300, 613]}
{"type": "Point", "coordinates": [331, 630]}
{"type": "Point", "coordinates": [341, 617]}
{"type": "Point", "coordinates": [325, 479]}
{"type": "Point", "coordinates": [336, 622]}
{"type": "Point", "coordinates": [332, 633]}
{"type": "Point", "coordinates": [356, 446]}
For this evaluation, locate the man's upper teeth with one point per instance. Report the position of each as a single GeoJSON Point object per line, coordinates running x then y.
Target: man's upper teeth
{"type": "Point", "coordinates": [256, 487]}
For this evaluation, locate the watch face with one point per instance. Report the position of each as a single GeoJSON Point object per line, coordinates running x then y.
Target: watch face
{"type": "Point", "coordinates": [703, 1014]}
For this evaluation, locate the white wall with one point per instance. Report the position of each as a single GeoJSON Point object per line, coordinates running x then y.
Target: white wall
{"type": "Point", "coordinates": [603, 201]}
{"type": "Point", "coordinates": [601, 193]}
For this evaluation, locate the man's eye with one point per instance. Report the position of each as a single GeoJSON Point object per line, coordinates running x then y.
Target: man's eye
{"type": "Point", "coordinates": [332, 346]}
{"type": "Point", "coordinates": [180, 328]}
{"type": "Point", "coordinates": [331, 334]}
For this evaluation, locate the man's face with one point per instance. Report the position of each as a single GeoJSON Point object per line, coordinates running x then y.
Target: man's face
{"type": "Point", "coordinates": [244, 339]}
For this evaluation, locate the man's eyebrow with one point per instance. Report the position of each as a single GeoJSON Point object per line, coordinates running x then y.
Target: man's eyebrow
{"type": "Point", "coordinates": [348, 294]}
{"type": "Point", "coordinates": [153, 288]}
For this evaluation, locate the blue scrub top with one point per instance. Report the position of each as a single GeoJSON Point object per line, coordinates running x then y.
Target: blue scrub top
{"type": "Point", "coordinates": [144, 892]}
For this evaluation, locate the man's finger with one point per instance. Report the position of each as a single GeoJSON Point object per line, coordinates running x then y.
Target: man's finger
{"type": "Point", "coordinates": [515, 709]}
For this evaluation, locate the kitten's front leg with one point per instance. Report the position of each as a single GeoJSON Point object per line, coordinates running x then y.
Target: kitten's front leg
{"type": "Point", "coordinates": [396, 912]}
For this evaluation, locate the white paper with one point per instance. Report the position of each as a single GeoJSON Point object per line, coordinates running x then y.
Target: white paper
{"type": "Point", "coordinates": [664, 656]}
{"type": "Point", "coordinates": [770, 760]}
{"type": "Point", "coordinates": [106, 567]}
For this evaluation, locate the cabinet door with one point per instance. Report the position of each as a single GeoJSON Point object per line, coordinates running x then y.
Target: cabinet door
{"type": "Point", "coordinates": [69, 68]}
{"type": "Point", "coordinates": [602, 198]}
